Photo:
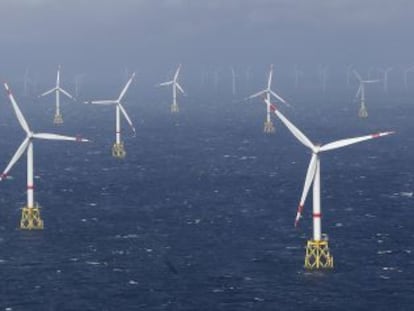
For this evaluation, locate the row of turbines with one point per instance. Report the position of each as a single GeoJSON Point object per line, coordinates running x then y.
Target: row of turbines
{"type": "Point", "coordinates": [317, 254]}
{"type": "Point", "coordinates": [31, 218]}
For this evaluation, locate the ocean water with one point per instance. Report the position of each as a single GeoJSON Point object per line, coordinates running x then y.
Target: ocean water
{"type": "Point", "coordinates": [199, 215]}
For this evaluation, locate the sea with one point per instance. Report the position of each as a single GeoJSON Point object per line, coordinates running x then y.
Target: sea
{"type": "Point", "coordinates": [199, 215]}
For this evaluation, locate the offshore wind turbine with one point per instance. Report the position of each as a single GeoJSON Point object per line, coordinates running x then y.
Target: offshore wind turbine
{"type": "Point", "coordinates": [58, 119]}
{"type": "Point", "coordinates": [317, 250]}
{"type": "Point", "coordinates": [118, 150]}
{"type": "Point", "coordinates": [268, 92]}
{"type": "Point", "coordinates": [362, 113]}
{"type": "Point", "coordinates": [175, 86]}
{"type": "Point", "coordinates": [30, 213]}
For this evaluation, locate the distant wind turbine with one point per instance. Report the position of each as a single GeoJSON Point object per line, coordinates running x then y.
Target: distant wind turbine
{"type": "Point", "coordinates": [175, 86]}
{"type": "Point", "coordinates": [118, 150]}
{"type": "Point", "coordinates": [58, 119]}
{"type": "Point", "coordinates": [268, 92]}
{"type": "Point", "coordinates": [363, 113]}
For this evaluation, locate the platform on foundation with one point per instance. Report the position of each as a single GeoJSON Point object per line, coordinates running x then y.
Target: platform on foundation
{"type": "Point", "coordinates": [269, 128]}
{"type": "Point", "coordinates": [174, 108]}
{"type": "Point", "coordinates": [118, 150]}
{"type": "Point", "coordinates": [58, 119]}
{"type": "Point", "coordinates": [318, 256]}
{"type": "Point", "coordinates": [363, 113]}
{"type": "Point", "coordinates": [31, 219]}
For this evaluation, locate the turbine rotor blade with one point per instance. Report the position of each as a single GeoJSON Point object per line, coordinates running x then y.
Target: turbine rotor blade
{"type": "Point", "coordinates": [126, 87]}
{"type": "Point", "coordinates": [103, 102]}
{"type": "Point", "coordinates": [292, 128]}
{"type": "Point", "coordinates": [310, 174]}
{"type": "Point", "coordinates": [166, 83]}
{"type": "Point", "coordinates": [269, 80]}
{"type": "Point", "coordinates": [278, 97]}
{"type": "Point", "coordinates": [350, 141]}
{"type": "Point", "coordinates": [17, 110]}
{"type": "Point", "coordinates": [257, 94]}
{"type": "Point", "coordinates": [16, 157]}
{"type": "Point", "coordinates": [58, 77]}
{"type": "Point", "coordinates": [127, 117]}
{"type": "Point", "coordinates": [180, 88]}
{"type": "Point", "coordinates": [359, 91]}
{"type": "Point", "coordinates": [371, 81]}
{"type": "Point", "coordinates": [48, 92]}
{"type": "Point", "coordinates": [66, 93]}
{"type": "Point", "coordinates": [49, 136]}
{"type": "Point", "coordinates": [177, 72]}
{"type": "Point", "coordinates": [357, 75]}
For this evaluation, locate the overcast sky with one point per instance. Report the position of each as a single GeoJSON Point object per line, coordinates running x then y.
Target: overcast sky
{"type": "Point", "coordinates": [136, 33]}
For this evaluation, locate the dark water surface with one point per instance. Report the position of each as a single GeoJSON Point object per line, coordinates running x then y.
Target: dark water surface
{"type": "Point", "coordinates": [199, 215]}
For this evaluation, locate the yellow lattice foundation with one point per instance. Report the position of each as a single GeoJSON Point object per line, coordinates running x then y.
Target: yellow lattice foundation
{"type": "Point", "coordinates": [318, 256]}
{"type": "Point", "coordinates": [363, 113]}
{"type": "Point", "coordinates": [58, 119]}
{"type": "Point", "coordinates": [118, 151]}
{"type": "Point", "coordinates": [174, 108]}
{"type": "Point", "coordinates": [269, 127]}
{"type": "Point", "coordinates": [31, 219]}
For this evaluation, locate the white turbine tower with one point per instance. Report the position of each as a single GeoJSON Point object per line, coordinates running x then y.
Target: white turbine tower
{"type": "Point", "coordinates": [362, 113]}
{"type": "Point", "coordinates": [30, 213]}
{"type": "Point", "coordinates": [317, 249]}
{"type": "Point", "coordinates": [267, 92]}
{"type": "Point", "coordinates": [385, 73]}
{"type": "Point", "coordinates": [175, 86]}
{"type": "Point", "coordinates": [118, 150]}
{"type": "Point", "coordinates": [58, 119]}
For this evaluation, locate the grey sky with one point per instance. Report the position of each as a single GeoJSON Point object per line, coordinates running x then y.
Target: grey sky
{"type": "Point", "coordinates": [140, 32]}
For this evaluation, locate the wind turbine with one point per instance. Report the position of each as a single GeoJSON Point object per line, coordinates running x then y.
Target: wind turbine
{"type": "Point", "coordinates": [30, 213]}
{"type": "Point", "coordinates": [385, 73]}
{"type": "Point", "coordinates": [175, 86]}
{"type": "Point", "coordinates": [362, 113]}
{"type": "Point", "coordinates": [268, 124]}
{"type": "Point", "coordinates": [118, 150]}
{"type": "Point", "coordinates": [58, 119]}
{"type": "Point", "coordinates": [317, 249]}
